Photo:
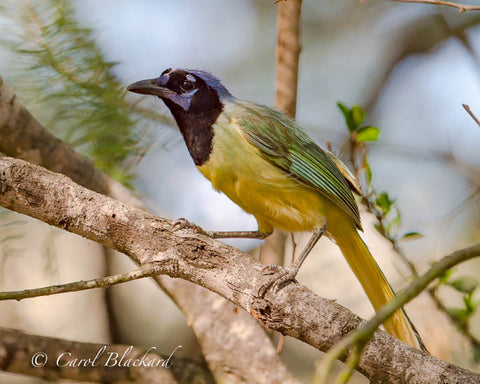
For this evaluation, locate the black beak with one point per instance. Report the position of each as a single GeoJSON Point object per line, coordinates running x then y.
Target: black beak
{"type": "Point", "coordinates": [150, 87]}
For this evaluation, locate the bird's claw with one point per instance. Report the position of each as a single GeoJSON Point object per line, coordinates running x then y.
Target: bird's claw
{"type": "Point", "coordinates": [183, 223]}
{"type": "Point", "coordinates": [278, 276]}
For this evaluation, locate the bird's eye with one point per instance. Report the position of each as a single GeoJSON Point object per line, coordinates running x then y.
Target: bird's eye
{"type": "Point", "coordinates": [188, 85]}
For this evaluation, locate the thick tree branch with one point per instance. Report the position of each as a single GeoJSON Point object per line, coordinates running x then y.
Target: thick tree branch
{"type": "Point", "coordinates": [57, 359]}
{"type": "Point", "coordinates": [293, 311]}
{"type": "Point", "coordinates": [228, 355]}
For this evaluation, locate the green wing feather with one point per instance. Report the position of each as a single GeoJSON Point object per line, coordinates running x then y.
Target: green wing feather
{"type": "Point", "coordinates": [283, 143]}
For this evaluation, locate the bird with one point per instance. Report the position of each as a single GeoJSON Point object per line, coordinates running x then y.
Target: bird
{"type": "Point", "coordinates": [266, 164]}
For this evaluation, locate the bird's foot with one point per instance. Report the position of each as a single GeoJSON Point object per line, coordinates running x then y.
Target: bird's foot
{"type": "Point", "coordinates": [183, 223]}
{"type": "Point", "coordinates": [277, 276]}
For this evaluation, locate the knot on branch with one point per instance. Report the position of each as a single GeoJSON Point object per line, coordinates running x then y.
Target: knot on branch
{"type": "Point", "coordinates": [262, 310]}
{"type": "Point", "coordinates": [198, 254]}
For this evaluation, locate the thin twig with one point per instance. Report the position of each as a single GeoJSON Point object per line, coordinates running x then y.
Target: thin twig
{"type": "Point", "coordinates": [467, 108]}
{"type": "Point", "coordinates": [146, 270]}
{"type": "Point", "coordinates": [461, 7]}
{"type": "Point", "coordinates": [362, 335]}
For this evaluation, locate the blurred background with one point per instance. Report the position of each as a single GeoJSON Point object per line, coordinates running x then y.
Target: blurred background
{"type": "Point", "coordinates": [411, 67]}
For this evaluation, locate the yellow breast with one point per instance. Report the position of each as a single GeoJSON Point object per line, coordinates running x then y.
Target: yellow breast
{"type": "Point", "coordinates": [237, 169]}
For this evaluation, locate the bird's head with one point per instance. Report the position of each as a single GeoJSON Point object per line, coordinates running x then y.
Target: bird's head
{"type": "Point", "coordinates": [184, 90]}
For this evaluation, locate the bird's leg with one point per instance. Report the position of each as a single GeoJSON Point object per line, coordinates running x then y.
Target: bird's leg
{"type": "Point", "coordinates": [184, 223]}
{"type": "Point", "coordinates": [281, 275]}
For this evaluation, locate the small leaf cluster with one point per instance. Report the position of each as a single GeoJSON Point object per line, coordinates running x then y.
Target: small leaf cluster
{"type": "Point", "coordinates": [380, 203]}
{"type": "Point", "coordinates": [354, 118]}
{"type": "Point", "coordinates": [389, 217]}
{"type": "Point", "coordinates": [467, 286]}
{"type": "Point", "coordinates": [390, 213]}
{"type": "Point", "coordinates": [388, 222]}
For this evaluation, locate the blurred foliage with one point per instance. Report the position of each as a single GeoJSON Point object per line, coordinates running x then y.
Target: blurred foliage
{"type": "Point", "coordinates": [66, 72]}
{"type": "Point", "coordinates": [389, 220]}
{"type": "Point", "coordinates": [467, 286]}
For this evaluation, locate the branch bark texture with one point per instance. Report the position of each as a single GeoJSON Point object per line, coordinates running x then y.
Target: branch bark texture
{"type": "Point", "coordinates": [293, 311]}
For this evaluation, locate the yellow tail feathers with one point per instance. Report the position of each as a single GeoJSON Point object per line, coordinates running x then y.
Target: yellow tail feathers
{"type": "Point", "coordinates": [374, 283]}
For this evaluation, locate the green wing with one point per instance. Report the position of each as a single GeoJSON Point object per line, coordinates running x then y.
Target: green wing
{"type": "Point", "coordinates": [283, 143]}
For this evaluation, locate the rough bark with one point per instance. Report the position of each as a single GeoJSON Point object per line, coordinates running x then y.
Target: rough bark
{"type": "Point", "coordinates": [24, 137]}
{"type": "Point", "coordinates": [294, 310]}
{"type": "Point", "coordinates": [57, 359]}
{"type": "Point", "coordinates": [226, 322]}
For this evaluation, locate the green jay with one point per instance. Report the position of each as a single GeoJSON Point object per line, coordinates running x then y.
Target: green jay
{"type": "Point", "coordinates": [265, 163]}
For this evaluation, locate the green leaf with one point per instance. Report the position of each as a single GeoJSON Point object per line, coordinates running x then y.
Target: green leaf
{"type": "Point", "coordinates": [476, 353]}
{"type": "Point", "coordinates": [348, 115]}
{"type": "Point", "coordinates": [368, 133]}
{"type": "Point", "coordinates": [458, 313]}
{"type": "Point", "coordinates": [345, 110]}
{"type": "Point", "coordinates": [465, 284]}
{"type": "Point", "coordinates": [379, 229]}
{"type": "Point", "coordinates": [398, 218]}
{"type": "Point", "coordinates": [443, 279]}
{"type": "Point", "coordinates": [412, 236]}
{"type": "Point", "coordinates": [384, 202]}
{"type": "Point", "coordinates": [368, 172]}
{"type": "Point", "coordinates": [470, 305]}
{"type": "Point", "coordinates": [358, 116]}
